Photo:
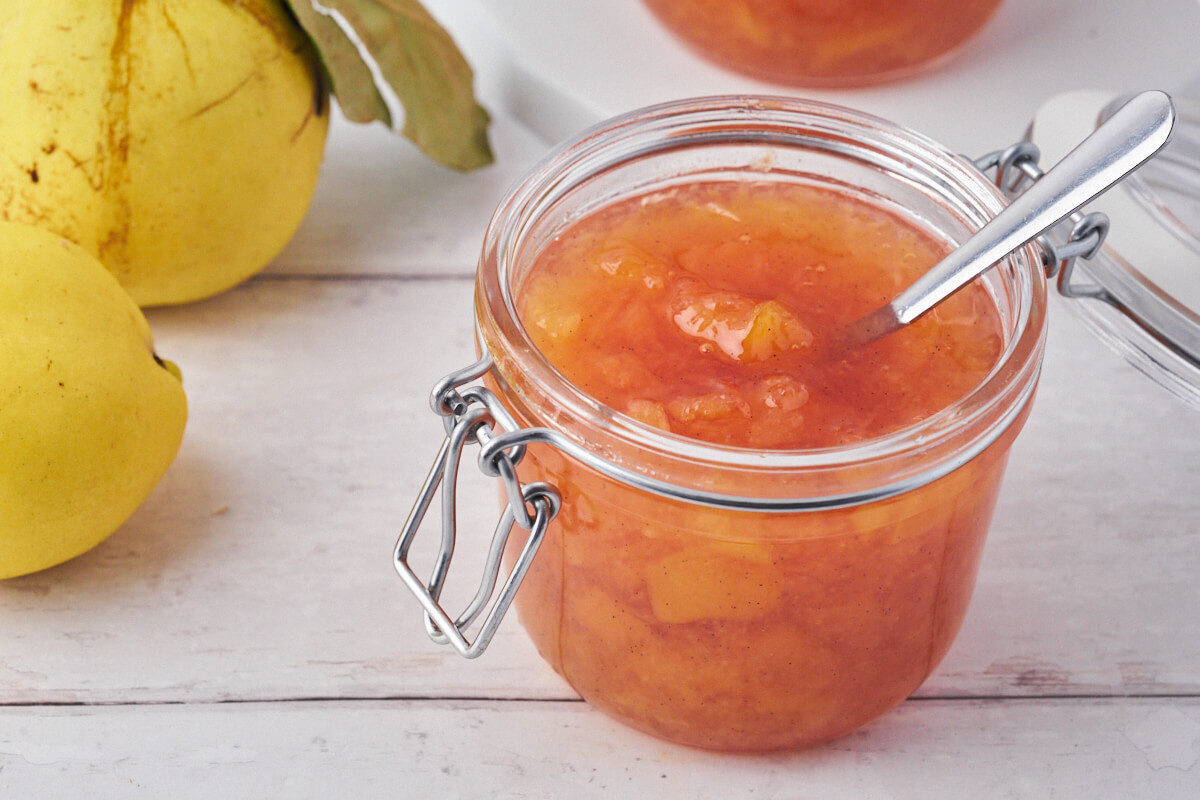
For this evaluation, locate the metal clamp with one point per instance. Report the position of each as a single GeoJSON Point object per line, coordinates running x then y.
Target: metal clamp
{"type": "Point", "coordinates": [1016, 168]}
{"type": "Point", "coordinates": [471, 417]}
{"type": "Point", "coordinates": [1172, 334]}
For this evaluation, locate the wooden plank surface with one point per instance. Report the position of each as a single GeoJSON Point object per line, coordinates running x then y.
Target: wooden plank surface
{"type": "Point", "coordinates": [1119, 750]}
{"type": "Point", "coordinates": [381, 208]}
{"type": "Point", "coordinates": [260, 568]}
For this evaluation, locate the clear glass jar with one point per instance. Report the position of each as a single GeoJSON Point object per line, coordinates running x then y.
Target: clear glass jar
{"type": "Point", "coordinates": [737, 599]}
{"type": "Point", "coordinates": [823, 44]}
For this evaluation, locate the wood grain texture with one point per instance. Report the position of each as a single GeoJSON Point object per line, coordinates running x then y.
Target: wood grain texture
{"type": "Point", "coordinates": [1119, 750]}
{"type": "Point", "coordinates": [382, 208]}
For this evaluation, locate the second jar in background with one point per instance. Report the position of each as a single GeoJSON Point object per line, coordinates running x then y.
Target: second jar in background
{"type": "Point", "coordinates": [818, 43]}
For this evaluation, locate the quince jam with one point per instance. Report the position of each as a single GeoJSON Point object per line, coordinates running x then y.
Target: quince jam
{"type": "Point", "coordinates": [712, 311]}
{"type": "Point", "coordinates": [708, 310]}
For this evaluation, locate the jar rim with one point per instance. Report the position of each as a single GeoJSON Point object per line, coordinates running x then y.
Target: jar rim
{"type": "Point", "coordinates": [987, 410]}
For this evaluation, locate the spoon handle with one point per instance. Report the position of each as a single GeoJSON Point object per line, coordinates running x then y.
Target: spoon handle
{"type": "Point", "coordinates": [1126, 140]}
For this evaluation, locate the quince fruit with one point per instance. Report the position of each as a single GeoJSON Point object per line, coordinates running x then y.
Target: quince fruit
{"type": "Point", "coordinates": [90, 417]}
{"type": "Point", "coordinates": [178, 141]}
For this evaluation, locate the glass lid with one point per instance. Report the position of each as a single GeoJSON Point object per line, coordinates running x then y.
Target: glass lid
{"type": "Point", "coordinates": [1168, 186]}
{"type": "Point", "coordinates": [1141, 293]}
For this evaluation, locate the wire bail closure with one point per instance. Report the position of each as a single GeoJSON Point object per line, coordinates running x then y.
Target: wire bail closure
{"type": "Point", "coordinates": [471, 417]}
{"type": "Point", "coordinates": [1016, 169]}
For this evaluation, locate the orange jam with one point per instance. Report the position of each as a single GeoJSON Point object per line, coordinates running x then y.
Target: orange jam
{"type": "Point", "coordinates": [707, 310]}
{"type": "Point", "coordinates": [821, 43]}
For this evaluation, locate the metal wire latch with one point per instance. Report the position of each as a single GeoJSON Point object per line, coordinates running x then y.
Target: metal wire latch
{"type": "Point", "coordinates": [1016, 168]}
{"type": "Point", "coordinates": [472, 416]}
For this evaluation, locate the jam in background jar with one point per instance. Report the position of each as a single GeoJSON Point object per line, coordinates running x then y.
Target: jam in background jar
{"type": "Point", "coordinates": [825, 44]}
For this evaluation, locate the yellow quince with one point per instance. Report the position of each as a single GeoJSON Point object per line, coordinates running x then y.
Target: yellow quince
{"type": "Point", "coordinates": [90, 417]}
{"type": "Point", "coordinates": [178, 141]}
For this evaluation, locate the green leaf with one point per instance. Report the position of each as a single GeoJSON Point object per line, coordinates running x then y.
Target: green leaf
{"type": "Point", "coordinates": [420, 64]}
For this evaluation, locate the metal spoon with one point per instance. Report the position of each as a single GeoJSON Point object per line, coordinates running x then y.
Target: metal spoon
{"type": "Point", "coordinates": [1123, 143]}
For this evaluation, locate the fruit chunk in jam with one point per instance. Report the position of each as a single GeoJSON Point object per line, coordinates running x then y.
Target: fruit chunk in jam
{"type": "Point", "coordinates": [706, 310]}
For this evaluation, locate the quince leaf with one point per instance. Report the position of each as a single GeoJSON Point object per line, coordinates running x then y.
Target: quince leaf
{"type": "Point", "coordinates": [362, 42]}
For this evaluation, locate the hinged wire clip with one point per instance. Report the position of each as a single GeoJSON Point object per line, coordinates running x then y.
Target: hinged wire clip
{"type": "Point", "coordinates": [472, 416]}
{"type": "Point", "coordinates": [1016, 169]}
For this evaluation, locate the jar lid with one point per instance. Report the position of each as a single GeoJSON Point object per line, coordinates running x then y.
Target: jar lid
{"type": "Point", "coordinates": [1141, 292]}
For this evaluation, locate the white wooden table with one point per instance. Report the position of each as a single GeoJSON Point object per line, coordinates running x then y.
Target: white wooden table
{"type": "Point", "coordinates": [244, 635]}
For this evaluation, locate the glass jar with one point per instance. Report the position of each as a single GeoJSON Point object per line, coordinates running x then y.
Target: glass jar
{"type": "Point", "coordinates": [728, 598]}
{"type": "Point", "coordinates": [823, 44]}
